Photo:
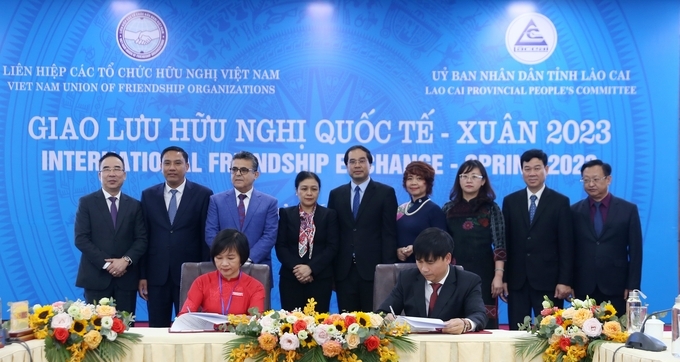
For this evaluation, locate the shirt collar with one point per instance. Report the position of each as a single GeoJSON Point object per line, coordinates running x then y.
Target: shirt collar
{"type": "Point", "coordinates": [607, 199]}
{"type": "Point", "coordinates": [107, 195]}
{"type": "Point", "coordinates": [538, 194]}
{"type": "Point", "coordinates": [179, 188]}
{"type": "Point", "coordinates": [444, 278]}
{"type": "Point", "coordinates": [362, 185]}
{"type": "Point", "coordinates": [249, 193]}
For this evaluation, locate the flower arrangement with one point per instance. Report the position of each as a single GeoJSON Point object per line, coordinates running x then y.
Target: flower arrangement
{"type": "Point", "coordinates": [310, 336]}
{"type": "Point", "coordinates": [571, 334]}
{"type": "Point", "coordinates": [77, 331]}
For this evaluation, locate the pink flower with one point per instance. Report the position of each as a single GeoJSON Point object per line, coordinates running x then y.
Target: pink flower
{"type": "Point", "coordinates": [321, 335]}
{"type": "Point", "coordinates": [468, 225]}
{"type": "Point", "coordinates": [289, 342]}
{"type": "Point", "coordinates": [547, 312]}
{"type": "Point", "coordinates": [592, 327]}
{"type": "Point", "coordinates": [58, 305]}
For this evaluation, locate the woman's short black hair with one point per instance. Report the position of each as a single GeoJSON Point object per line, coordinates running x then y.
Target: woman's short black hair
{"type": "Point", "coordinates": [230, 239]}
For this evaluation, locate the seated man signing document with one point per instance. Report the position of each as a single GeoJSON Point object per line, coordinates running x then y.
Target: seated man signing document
{"type": "Point", "coordinates": [437, 289]}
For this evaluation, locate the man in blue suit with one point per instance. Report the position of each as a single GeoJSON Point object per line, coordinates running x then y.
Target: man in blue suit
{"type": "Point", "coordinates": [245, 209]}
{"type": "Point", "coordinates": [175, 213]}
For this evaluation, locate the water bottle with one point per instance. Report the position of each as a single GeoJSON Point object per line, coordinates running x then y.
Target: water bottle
{"type": "Point", "coordinates": [633, 308]}
{"type": "Point", "coordinates": [675, 324]}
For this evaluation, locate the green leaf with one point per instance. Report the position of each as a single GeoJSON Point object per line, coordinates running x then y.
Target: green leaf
{"type": "Point", "coordinates": [530, 347]}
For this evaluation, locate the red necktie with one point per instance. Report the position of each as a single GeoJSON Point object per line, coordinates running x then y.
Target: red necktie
{"type": "Point", "coordinates": [241, 209]}
{"type": "Point", "coordinates": [433, 297]}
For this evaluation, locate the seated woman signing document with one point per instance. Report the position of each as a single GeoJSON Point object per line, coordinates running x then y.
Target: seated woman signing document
{"type": "Point", "coordinates": [227, 290]}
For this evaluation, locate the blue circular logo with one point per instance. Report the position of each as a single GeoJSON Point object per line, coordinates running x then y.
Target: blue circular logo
{"type": "Point", "coordinates": [141, 35]}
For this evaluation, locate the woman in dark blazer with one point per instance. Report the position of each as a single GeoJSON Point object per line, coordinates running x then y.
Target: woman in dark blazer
{"type": "Point", "coordinates": [307, 242]}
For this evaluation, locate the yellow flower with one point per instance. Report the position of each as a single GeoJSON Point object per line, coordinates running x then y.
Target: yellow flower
{"type": "Point", "coordinates": [353, 341]}
{"type": "Point", "coordinates": [77, 352]}
{"type": "Point", "coordinates": [610, 328]}
{"type": "Point", "coordinates": [310, 307]}
{"type": "Point", "coordinates": [619, 337]}
{"type": "Point", "coordinates": [581, 316]}
{"type": "Point", "coordinates": [78, 327]}
{"type": "Point", "coordinates": [320, 318]}
{"type": "Point", "coordinates": [363, 319]}
{"type": "Point", "coordinates": [340, 326]}
{"type": "Point", "coordinates": [92, 339]}
{"type": "Point", "coordinates": [286, 328]}
{"type": "Point", "coordinates": [43, 314]}
{"type": "Point", "coordinates": [267, 341]}
{"type": "Point", "coordinates": [348, 357]}
{"type": "Point", "coordinates": [96, 322]}
{"type": "Point", "coordinates": [41, 333]}
{"type": "Point", "coordinates": [238, 319]}
{"type": "Point", "coordinates": [547, 319]}
{"type": "Point", "coordinates": [387, 354]}
{"type": "Point", "coordinates": [609, 312]}
{"type": "Point", "coordinates": [106, 311]}
{"type": "Point", "coordinates": [298, 314]}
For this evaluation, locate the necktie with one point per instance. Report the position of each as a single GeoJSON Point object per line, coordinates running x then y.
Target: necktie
{"type": "Point", "coordinates": [172, 208]}
{"type": "Point", "coordinates": [114, 210]}
{"type": "Point", "coordinates": [532, 208]}
{"type": "Point", "coordinates": [597, 220]}
{"type": "Point", "coordinates": [433, 298]}
{"type": "Point", "coordinates": [356, 202]}
{"type": "Point", "coordinates": [241, 209]}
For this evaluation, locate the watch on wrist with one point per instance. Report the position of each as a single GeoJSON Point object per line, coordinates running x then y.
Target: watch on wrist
{"type": "Point", "coordinates": [467, 327]}
{"type": "Point", "coordinates": [127, 258]}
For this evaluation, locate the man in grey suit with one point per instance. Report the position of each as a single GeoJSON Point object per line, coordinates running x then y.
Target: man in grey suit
{"type": "Point", "coordinates": [245, 209]}
{"type": "Point", "coordinates": [608, 237]}
{"type": "Point", "coordinates": [110, 233]}
{"type": "Point", "coordinates": [175, 213]}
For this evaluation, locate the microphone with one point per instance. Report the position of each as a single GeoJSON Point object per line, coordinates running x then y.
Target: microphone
{"type": "Point", "coordinates": [641, 341]}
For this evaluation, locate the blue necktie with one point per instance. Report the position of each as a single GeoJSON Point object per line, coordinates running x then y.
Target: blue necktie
{"type": "Point", "coordinates": [356, 202]}
{"type": "Point", "coordinates": [532, 208]}
{"type": "Point", "coordinates": [597, 220]}
{"type": "Point", "coordinates": [172, 208]}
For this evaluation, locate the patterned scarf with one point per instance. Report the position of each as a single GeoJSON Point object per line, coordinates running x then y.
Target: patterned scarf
{"type": "Point", "coordinates": [307, 231]}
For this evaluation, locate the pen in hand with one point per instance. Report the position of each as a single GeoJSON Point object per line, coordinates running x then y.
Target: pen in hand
{"type": "Point", "coordinates": [393, 314]}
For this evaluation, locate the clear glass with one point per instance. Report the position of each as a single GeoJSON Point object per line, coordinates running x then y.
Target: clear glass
{"type": "Point", "coordinates": [636, 317]}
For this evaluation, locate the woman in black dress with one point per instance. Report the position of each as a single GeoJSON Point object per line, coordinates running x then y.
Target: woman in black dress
{"type": "Point", "coordinates": [476, 224]}
{"type": "Point", "coordinates": [307, 242]}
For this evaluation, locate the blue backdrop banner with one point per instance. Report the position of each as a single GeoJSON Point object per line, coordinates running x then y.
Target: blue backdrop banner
{"type": "Point", "coordinates": [297, 82]}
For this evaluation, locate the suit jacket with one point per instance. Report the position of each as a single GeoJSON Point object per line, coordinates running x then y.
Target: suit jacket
{"type": "Point", "coordinates": [372, 237]}
{"type": "Point", "coordinates": [259, 226]}
{"type": "Point", "coordinates": [326, 240]}
{"type": "Point", "coordinates": [98, 239]}
{"type": "Point", "coordinates": [172, 245]}
{"type": "Point", "coordinates": [612, 261]}
{"type": "Point", "coordinates": [459, 297]}
{"type": "Point", "coordinates": [540, 253]}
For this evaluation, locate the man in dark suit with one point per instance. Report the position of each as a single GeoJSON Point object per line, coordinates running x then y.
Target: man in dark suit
{"type": "Point", "coordinates": [540, 242]}
{"type": "Point", "coordinates": [437, 289]}
{"type": "Point", "coordinates": [245, 209]}
{"type": "Point", "coordinates": [609, 240]}
{"type": "Point", "coordinates": [110, 233]}
{"type": "Point", "coordinates": [175, 213]}
{"type": "Point", "coordinates": [367, 219]}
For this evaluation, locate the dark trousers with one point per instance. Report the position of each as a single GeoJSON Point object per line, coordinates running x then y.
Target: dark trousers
{"type": "Point", "coordinates": [126, 300]}
{"type": "Point", "coordinates": [354, 294]}
{"type": "Point", "coordinates": [162, 298]}
{"type": "Point", "coordinates": [617, 300]}
{"type": "Point", "coordinates": [522, 301]}
{"type": "Point", "coordinates": [295, 294]}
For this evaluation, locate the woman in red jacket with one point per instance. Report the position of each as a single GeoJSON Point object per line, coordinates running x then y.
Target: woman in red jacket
{"type": "Point", "coordinates": [226, 290]}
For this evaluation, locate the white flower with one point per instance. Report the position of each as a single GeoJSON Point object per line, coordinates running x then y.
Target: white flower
{"type": "Point", "coordinates": [577, 303]}
{"type": "Point", "coordinates": [107, 322]}
{"type": "Point", "coordinates": [559, 331]}
{"type": "Point", "coordinates": [321, 335]}
{"type": "Point", "coordinates": [289, 342]}
{"type": "Point", "coordinates": [376, 320]}
{"type": "Point", "coordinates": [572, 330]}
{"type": "Point", "coordinates": [74, 311]}
{"type": "Point", "coordinates": [109, 334]}
{"type": "Point", "coordinates": [291, 319]}
{"type": "Point", "coordinates": [592, 327]}
{"type": "Point", "coordinates": [36, 307]}
{"type": "Point", "coordinates": [546, 304]}
{"type": "Point", "coordinates": [104, 301]}
{"type": "Point", "coordinates": [266, 322]}
{"type": "Point", "coordinates": [331, 329]}
{"type": "Point", "coordinates": [303, 334]}
{"type": "Point", "coordinates": [86, 312]}
{"type": "Point", "coordinates": [311, 322]}
{"type": "Point", "coordinates": [568, 313]}
{"type": "Point", "coordinates": [353, 328]}
{"type": "Point", "coordinates": [61, 320]}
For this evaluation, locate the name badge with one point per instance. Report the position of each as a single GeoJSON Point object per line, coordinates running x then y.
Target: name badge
{"type": "Point", "coordinates": [238, 294]}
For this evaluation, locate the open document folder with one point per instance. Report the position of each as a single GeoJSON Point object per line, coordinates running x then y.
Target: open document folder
{"type": "Point", "coordinates": [422, 325]}
{"type": "Point", "coordinates": [197, 322]}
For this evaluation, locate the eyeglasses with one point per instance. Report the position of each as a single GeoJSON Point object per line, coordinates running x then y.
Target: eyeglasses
{"type": "Point", "coordinates": [115, 170]}
{"type": "Point", "coordinates": [594, 180]}
{"type": "Point", "coordinates": [470, 177]}
{"type": "Point", "coordinates": [243, 170]}
{"type": "Point", "coordinates": [360, 161]}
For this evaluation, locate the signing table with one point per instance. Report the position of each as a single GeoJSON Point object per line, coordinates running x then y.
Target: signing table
{"type": "Point", "coordinates": [497, 346]}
